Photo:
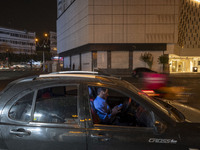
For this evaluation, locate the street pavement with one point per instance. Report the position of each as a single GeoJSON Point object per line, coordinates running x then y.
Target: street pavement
{"type": "Point", "coordinates": [8, 76]}
{"type": "Point", "coordinates": [186, 81]}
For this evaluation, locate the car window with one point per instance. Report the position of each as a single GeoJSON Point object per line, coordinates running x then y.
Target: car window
{"type": "Point", "coordinates": [130, 114]}
{"type": "Point", "coordinates": [56, 105]}
{"type": "Point", "coordinates": [21, 110]}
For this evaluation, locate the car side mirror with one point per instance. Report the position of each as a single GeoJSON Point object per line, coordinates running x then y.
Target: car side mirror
{"type": "Point", "coordinates": [159, 127]}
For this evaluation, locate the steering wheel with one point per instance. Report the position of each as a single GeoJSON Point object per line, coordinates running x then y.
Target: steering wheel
{"type": "Point", "coordinates": [127, 114]}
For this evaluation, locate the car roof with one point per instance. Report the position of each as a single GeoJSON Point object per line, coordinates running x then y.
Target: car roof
{"type": "Point", "coordinates": [76, 72]}
{"type": "Point", "coordinates": [68, 75]}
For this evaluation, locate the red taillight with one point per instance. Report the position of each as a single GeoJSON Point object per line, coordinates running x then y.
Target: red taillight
{"type": "Point", "coordinates": [150, 92]}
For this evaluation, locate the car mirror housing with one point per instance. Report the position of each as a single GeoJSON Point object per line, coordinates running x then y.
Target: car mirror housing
{"type": "Point", "coordinates": [159, 127]}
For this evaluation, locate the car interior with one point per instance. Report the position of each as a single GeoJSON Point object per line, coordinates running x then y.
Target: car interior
{"type": "Point", "coordinates": [132, 114]}
{"type": "Point", "coordinates": [58, 104]}
{"type": "Point", "coordinates": [61, 101]}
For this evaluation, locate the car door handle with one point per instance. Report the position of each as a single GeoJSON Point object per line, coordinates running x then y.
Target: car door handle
{"type": "Point", "coordinates": [20, 132]}
{"type": "Point", "coordinates": [101, 137]}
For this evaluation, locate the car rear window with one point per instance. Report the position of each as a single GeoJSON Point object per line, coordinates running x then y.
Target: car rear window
{"type": "Point", "coordinates": [56, 105]}
{"type": "Point", "coordinates": [21, 110]}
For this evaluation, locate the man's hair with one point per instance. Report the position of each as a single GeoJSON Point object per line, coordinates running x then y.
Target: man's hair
{"type": "Point", "coordinates": [101, 89]}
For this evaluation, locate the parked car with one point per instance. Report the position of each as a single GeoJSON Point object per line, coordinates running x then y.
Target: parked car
{"type": "Point", "coordinates": [20, 66]}
{"type": "Point", "coordinates": [4, 68]}
{"type": "Point", "coordinates": [54, 112]}
{"type": "Point", "coordinates": [138, 72]}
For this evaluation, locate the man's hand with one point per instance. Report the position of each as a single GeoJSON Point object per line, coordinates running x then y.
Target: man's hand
{"type": "Point", "coordinates": [116, 110]}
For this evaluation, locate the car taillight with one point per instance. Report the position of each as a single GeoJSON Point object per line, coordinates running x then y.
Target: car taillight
{"type": "Point", "coordinates": [150, 92]}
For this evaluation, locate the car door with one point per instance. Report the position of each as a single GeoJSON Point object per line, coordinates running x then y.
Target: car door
{"type": "Point", "coordinates": [35, 120]}
{"type": "Point", "coordinates": [126, 138]}
{"type": "Point", "coordinates": [118, 137]}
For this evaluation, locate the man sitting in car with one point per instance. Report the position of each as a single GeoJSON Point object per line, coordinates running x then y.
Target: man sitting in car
{"type": "Point", "coordinates": [106, 115]}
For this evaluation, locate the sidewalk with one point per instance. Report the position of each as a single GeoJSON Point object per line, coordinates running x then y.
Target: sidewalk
{"type": "Point", "coordinates": [195, 74]}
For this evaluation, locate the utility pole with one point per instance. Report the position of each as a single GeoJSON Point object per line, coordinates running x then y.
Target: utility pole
{"type": "Point", "coordinates": [46, 35]}
{"type": "Point", "coordinates": [43, 62]}
{"type": "Point", "coordinates": [31, 58]}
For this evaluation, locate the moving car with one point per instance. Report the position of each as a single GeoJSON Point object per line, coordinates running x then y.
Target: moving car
{"type": "Point", "coordinates": [54, 112]}
{"type": "Point", "coordinates": [138, 72]}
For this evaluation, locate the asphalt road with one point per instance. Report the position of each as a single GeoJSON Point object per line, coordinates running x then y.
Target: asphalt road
{"type": "Point", "coordinates": [190, 82]}
{"type": "Point", "coordinates": [8, 76]}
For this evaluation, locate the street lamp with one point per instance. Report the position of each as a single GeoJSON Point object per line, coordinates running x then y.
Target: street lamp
{"type": "Point", "coordinates": [44, 45]}
{"type": "Point", "coordinates": [36, 40]}
{"type": "Point", "coordinates": [43, 56]}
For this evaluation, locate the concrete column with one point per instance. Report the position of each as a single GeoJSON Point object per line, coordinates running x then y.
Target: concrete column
{"type": "Point", "coordinates": [130, 60]}
{"type": "Point", "coordinates": [70, 57]}
{"type": "Point", "coordinates": [108, 59]}
{"type": "Point", "coordinates": [80, 61]}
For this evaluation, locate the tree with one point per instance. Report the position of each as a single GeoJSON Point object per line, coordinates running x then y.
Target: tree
{"type": "Point", "coordinates": [23, 57]}
{"type": "Point", "coordinates": [163, 59]}
{"type": "Point", "coordinates": [147, 58]}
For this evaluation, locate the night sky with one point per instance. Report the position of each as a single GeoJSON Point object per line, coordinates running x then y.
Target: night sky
{"type": "Point", "coordinates": [30, 15]}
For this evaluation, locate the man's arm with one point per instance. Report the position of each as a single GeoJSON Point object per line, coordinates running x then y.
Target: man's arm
{"type": "Point", "coordinates": [104, 115]}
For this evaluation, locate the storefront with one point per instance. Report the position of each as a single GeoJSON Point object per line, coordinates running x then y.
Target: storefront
{"type": "Point", "coordinates": [183, 64]}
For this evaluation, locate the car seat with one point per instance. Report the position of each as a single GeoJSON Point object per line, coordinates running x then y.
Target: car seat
{"type": "Point", "coordinates": [95, 117]}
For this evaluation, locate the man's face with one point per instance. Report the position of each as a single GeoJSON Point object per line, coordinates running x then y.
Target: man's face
{"type": "Point", "coordinates": [104, 94]}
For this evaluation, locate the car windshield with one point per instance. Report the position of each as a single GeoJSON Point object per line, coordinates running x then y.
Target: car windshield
{"type": "Point", "coordinates": [170, 110]}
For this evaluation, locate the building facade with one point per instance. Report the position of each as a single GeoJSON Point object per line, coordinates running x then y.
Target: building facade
{"type": "Point", "coordinates": [53, 43]}
{"type": "Point", "coordinates": [113, 34]}
{"type": "Point", "coordinates": [17, 41]}
{"type": "Point", "coordinates": [186, 58]}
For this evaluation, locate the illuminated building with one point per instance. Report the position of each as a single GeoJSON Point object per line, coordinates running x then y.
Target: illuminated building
{"type": "Point", "coordinates": [112, 34]}
{"type": "Point", "coordinates": [186, 57]}
{"type": "Point", "coordinates": [17, 41]}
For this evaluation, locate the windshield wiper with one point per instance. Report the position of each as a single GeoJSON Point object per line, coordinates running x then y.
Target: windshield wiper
{"type": "Point", "coordinates": [172, 110]}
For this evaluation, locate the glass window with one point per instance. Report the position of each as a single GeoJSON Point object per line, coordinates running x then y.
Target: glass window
{"type": "Point", "coordinates": [56, 105]}
{"type": "Point", "coordinates": [21, 110]}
